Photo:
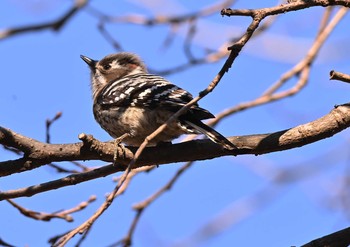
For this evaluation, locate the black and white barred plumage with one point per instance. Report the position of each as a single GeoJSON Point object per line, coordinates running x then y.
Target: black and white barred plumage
{"type": "Point", "coordinates": [129, 100]}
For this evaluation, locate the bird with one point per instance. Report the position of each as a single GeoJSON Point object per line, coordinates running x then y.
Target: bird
{"type": "Point", "coordinates": [129, 100]}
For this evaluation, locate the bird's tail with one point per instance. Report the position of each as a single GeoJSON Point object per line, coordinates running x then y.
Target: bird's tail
{"type": "Point", "coordinates": [210, 133]}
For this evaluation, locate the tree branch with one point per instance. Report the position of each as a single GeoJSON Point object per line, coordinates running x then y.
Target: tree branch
{"type": "Point", "coordinates": [62, 214]}
{"type": "Point", "coordinates": [283, 8]}
{"type": "Point", "coordinates": [54, 25]}
{"type": "Point", "coordinates": [334, 122]}
{"type": "Point", "coordinates": [335, 75]}
{"type": "Point", "coordinates": [339, 238]}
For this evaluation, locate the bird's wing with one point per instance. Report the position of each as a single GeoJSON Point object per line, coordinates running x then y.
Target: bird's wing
{"type": "Point", "coordinates": [145, 90]}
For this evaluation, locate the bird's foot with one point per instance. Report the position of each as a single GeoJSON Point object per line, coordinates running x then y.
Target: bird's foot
{"type": "Point", "coordinates": [118, 144]}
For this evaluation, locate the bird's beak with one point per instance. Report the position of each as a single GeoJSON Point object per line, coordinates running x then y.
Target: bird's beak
{"type": "Point", "coordinates": [89, 61]}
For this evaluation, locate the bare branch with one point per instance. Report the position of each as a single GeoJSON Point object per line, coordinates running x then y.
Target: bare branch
{"type": "Point", "coordinates": [54, 25]}
{"type": "Point", "coordinates": [334, 75]}
{"type": "Point", "coordinates": [301, 69]}
{"type": "Point", "coordinates": [334, 122]}
{"type": "Point", "coordinates": [160, 19]}
{"type": "Point", "coordinates": [48, 216]}
{"type": "Point", "coordinates": [141, 206]}
{"type": "Point", "coordinates": [283, 8]}
{"type": "Point", "coordinates": [339, 238]}
{"type": "Point", "coordinates": [48, 124]}
{"type": "Point", "coordinates": [84, 227]}
{"type": "Point", "coordinates": [5, 244]}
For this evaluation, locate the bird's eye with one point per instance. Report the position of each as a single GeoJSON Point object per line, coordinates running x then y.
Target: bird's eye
{"type": "Point", "coordinates": [106, 67]}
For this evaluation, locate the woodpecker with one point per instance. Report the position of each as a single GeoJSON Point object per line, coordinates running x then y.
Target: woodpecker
{"type": "Point", "coordinates": [127, 99]}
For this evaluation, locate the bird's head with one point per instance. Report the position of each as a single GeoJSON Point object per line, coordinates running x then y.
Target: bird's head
{"type": "Point", "coordinates": [113, 67]}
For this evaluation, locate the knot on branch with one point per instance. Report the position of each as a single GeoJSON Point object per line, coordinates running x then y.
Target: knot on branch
{"type": "Point", "coordinates": [108, 151]}
{"type": "Point", "coordinates": [226, 11]}
{"type": "Point", "coordinates": [87, 139]}
{"type": "Point", "coordinates": [92, 144]}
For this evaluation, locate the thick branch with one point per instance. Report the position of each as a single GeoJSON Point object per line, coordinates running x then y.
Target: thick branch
{"type": "Point", "coordinates": [337, 120]}
{"type": "Point", "coordinates": [339, 238]}
{"type": "Point", "coordinates": [39, 153]}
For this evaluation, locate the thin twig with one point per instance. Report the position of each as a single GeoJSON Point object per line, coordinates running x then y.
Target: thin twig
{"type": "Point", "coordinates": [160, 19]}
{"type": "Point", "coordinates": [302, 67]}
{"type": "Point", "coordinates": [65, 214]}
{"type": "Point", "coordinates": [141, 206]}
{"type": "Point", "coordinates": [54, 25]}
{"type": "Point", "coordinates": [88, 223]}
{"type": "Point", "coordinates": [48, 124]}
{"type": "Point", "coordinates": [284, 8]}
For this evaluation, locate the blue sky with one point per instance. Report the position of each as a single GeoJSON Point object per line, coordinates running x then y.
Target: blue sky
{"type": "Point", "coordinates": [43, 74]}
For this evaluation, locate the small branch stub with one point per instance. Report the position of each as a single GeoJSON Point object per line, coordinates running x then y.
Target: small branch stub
{"type": "Point", "coordinates": [334, 75]}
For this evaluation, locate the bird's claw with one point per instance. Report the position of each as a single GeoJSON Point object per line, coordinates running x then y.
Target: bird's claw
{"type": "Point", "coordinates": [118, 144]}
